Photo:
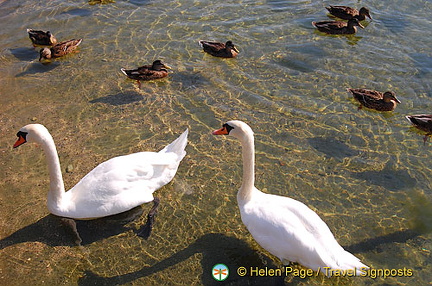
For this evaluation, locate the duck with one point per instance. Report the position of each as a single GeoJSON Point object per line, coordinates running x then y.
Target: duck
{"type": "Point", "coordinates": [373, 99]}
{"type": "Point", "coordinates": [59, 50]}
{"type": "Point", "coordinates": [41, 38]}
{"type": "Point", "coordinates": [347, 13]}
{"type": "Point", "coordinates": [156, 70]}
{"type": "Point", "coordinates": [422, 122]}
{"type": "Point", "coordinates": [114, 186]}
{"type": "Point", "coordinates": [221, 50]}
{"type": "Point", "coordinates": [338, 27]}
{"type": "Point", "coordinates": [285, 227]}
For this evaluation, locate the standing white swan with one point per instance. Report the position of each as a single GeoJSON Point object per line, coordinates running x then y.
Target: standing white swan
{"type": "Point", "coordinates": [114, 186]}
{"type": "Point", "coordinates": [283, 226]}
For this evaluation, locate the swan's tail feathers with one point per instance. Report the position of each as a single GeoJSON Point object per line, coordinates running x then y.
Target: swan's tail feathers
{"type": "Point", "coordinates": [362, 270]}
{"type": "Point", "coordinates": [349, 261]}
{"type": "Point", "coordinates": [177, 146]}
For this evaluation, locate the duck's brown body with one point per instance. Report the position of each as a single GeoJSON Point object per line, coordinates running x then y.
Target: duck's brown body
{"type": "Point", "coordinates": [422, 122]}
{"type": "Point", "coordinates": [41, 38]}
{"type": "Point", "coordinates": [148, 72]}
{"type": "Point", "coordinates": [373, 99]}
{"type": "Point", "coordinates": [347, 13]}
{"type": "Point", "coordinates": [227, 50]}
{"type": "Point", "coordinates": [338, 27]}
{"type": "Point", "coordinates": [59, 50]}
{"type": "Point", "coordinates": [156, 70]}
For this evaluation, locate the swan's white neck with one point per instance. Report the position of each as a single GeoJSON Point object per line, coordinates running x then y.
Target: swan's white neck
{"type": "Point", "coordinates": [56, 189]}
{"type": "Point", "coordinates": [248, 154]}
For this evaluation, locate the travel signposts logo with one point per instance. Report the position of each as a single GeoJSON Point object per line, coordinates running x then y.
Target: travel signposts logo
{"type": "Point", "coordinates": [220, 272]}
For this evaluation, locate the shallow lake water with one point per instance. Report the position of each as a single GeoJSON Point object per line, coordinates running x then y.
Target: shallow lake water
{"type": "Point", "coordinates": [367, 174]}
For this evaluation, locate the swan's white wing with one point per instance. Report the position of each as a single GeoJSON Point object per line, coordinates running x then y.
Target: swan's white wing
{"type": "Point", "coordinates": [293, 232]}
{"type": "Point", "coordinates": [120, 184]}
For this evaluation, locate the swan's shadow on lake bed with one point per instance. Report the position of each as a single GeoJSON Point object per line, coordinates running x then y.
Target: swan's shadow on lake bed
{"type": "Point", "coordinates": [216, 248]}
{"type": "Point", "coordinates": [51, 231]}
{"type": "Point", "coordinates": [219, 248]}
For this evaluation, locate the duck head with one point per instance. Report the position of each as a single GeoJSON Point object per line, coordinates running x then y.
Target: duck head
{"type": "Point", "coordinates": [390, 96]}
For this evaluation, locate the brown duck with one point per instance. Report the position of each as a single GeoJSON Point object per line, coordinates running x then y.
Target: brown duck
{"type": "Point", "coordinates": [372, 99]}
{"type": "Point", "coordinates": [422, 122]}
{"type": "Point", "coordinates": [59, 50]}
{"type": "Point", "coordinates": [156, 70]}
{"type": "Point", "coordinates": [347, 13]}
{"type": "Point", "coordinates": [338, 27]}
{"type": "Point", "coordinates": [41, 38]}
{"type": "Point", "coordinates": [227, 50]}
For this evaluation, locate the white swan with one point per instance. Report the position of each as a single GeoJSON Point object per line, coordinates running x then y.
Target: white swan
{"type": "Point", "coordinates": [286, 228]}
{"type": "Point", "coordinates": [114, 186]}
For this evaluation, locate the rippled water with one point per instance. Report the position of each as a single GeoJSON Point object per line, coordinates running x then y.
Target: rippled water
{"type": "Point", "coordinates": [365, 173]}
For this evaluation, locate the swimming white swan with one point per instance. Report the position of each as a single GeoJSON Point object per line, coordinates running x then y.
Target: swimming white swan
{"type": "Point", "coordinates": [283, 226]}
{"type": "Point", "coordinates": [114, 186]}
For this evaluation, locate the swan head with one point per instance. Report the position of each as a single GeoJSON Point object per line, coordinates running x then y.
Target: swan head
{"type": "Point", "coordinates": [31, 133]}
{"type": "Point", "coordinates": [235, 128]}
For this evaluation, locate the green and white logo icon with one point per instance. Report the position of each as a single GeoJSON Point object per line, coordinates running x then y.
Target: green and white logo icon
{"type": "Point", "coordinates": [220, 272]}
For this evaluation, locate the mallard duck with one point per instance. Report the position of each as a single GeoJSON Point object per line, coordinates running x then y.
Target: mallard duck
{"type": "Point", "coordinates": [422, 122]}
{"type": "Point", "coordinates": [338, 27]}
{"type": "Point", "coordinates": [59, 50]}
{"type": "Point", "coordinates": [386, 101]}
{"type": "Point", "coordinates": [41, 38]}
{"type": "Point", "coordinates": [227, 50]}
{"type": "Point", "coordinates": [156, 70]}
{"type": "Point", "coordinates": [346, 13]}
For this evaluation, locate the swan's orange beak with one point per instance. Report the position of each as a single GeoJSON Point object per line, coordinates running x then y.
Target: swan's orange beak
{"type": "Point", "coordinates": [21, 140]}
{"type": "Point", "coordinates": [222, 131]}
